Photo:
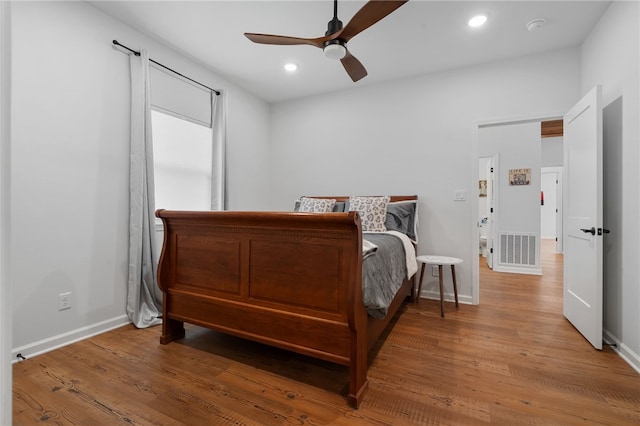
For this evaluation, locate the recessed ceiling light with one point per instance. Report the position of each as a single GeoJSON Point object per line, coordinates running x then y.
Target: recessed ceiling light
{"type": "Point", "coordinates": [477, 21]}
{"type": "Point", "coordinates": [291, 67]}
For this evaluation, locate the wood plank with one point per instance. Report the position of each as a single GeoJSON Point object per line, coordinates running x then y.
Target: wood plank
{"type": "Point", "coordinates": [552, 128]}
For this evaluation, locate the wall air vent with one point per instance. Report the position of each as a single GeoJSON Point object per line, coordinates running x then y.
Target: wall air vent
{"type": "Point", "coordinates": [518, 249]}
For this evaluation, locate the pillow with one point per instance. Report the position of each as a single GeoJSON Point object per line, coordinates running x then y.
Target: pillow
{"type": "Point", "coordinates": [316, 205]}
{"type": "Point", "coordinates": [402, 216]}
{"type": "Point", "coordinates": [338, 207]}
{"type": "Point", "coordinates": [372, 210]}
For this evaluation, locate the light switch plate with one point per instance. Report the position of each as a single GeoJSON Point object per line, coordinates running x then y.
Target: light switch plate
{"type": "Point", "coordinates": [459, 195]}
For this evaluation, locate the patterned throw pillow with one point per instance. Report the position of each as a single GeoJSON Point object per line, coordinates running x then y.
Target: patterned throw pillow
{"type": "Point", "coordinates": [372, 210]}
{"type": "Point", "coordinates": [316, 205]}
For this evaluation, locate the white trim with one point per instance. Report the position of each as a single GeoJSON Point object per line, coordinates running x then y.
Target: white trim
{"type": "Point", "coordinates": [504, 121]}
{"type": "Point", "coordinates": [64, 339]}
{"type": "Point", "coordinates": [6, 305]}
{"type": "Point", "coordinates": [448, 297]}
{"type": "Point", "coordinates": [517, 270]}
{"type": "Point", "coordinates": [625, 352]}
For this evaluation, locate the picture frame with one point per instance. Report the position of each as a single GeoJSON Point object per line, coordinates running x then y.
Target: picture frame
{"type": "Point", "coordinates": [482, 187]}
{"type": "Point", "coordinates": [519, 177]}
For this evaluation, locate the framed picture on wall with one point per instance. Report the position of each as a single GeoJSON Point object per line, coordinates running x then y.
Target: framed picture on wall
{"type": "Point", "coordinates": [519, 176]}
{"type": "Point", "coordinates": [482, 187]}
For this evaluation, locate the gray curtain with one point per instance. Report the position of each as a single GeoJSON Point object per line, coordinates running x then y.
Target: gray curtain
{"type": "Point", "coordinates": [219, 171]}
{"type": "Point", "coordinates": [144, 298]}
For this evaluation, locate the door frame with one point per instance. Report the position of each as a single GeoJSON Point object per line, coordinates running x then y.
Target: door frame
{"type": "Point", "coordinates": [490, 165]}
{"type": "Point", "coordinates": [6, 308]}
{"type": "Point", "coordinates": [475, 238]}
{"type": "Point", "coordinates": [559, 200]}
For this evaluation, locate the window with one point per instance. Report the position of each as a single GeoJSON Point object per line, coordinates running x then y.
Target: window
{"type": "Point", "coordinates": [182, 155]}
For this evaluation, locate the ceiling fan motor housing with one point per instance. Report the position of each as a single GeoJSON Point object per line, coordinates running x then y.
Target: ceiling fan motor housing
{"type": "Point", "coordinates": [333, 26]}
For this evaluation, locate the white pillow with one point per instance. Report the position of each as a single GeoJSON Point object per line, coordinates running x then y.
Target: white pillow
{"type": "Point", "coordinates": [316, 205]}
{"type": "Point", "coordinates": [372, 210]}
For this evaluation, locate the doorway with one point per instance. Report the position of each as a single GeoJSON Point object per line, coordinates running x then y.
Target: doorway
{"type": "Point", "coordinates": [551, 206]}
{"type": "Point", "coordinates": [516, 219]}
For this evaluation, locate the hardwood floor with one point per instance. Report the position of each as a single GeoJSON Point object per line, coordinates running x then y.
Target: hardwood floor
{"type": "Point", "coordinates": [511, 360]}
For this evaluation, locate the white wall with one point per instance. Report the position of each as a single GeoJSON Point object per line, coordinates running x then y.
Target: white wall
{"type": "Point", "coordinates": [552, 152]}
{"type": "Point", "coordinates": [70, 156]}
{"type": "Point", "coordinates": [611, 57]}
{"type": "Point", "coordinates": [5, 167]}
{"type": "Point", "coordinates": [414, 137]}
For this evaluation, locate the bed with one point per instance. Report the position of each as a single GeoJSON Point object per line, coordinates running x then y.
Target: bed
{"type": "Point", "coordinates": [293, 280]}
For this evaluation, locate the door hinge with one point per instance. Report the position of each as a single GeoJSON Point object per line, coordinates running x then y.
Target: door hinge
{"type": "Point", "coordinates": [492, 170]}
{"type": "Point", "coordinates": [491, 250]}
{"type": "Point", "coordinates": [491, 211]}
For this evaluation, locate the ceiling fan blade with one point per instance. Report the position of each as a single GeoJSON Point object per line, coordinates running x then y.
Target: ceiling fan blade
{"type": "Point", "coordinates": [368, 15]}
{"type": "Point", "coordinates": [354, 67]}
{"type": "Point", "coordinates": [285, 40]}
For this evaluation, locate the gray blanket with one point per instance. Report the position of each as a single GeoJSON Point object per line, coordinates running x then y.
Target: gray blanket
{"type": "Point", "coordinates": [383, 272]}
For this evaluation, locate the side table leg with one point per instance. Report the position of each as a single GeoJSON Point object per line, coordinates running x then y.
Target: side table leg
{"type": "Point", "coordinates": [420, 284]}
{"type": "Point", "coordinates": [441, 291]}
{"type": "Point", "coordinates": [455, 286]}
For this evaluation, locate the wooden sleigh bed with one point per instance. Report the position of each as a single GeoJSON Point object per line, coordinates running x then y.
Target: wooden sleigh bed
{"type": "Point", "coordinates": [290, 280]}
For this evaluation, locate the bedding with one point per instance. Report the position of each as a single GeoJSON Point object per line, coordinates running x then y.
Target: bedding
{"type": "Point", "coordinates": [385, 269]}
{"type": "Point", "coordinates": [368, 248]}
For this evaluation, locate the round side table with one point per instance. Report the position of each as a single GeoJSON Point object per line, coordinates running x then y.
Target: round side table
{"type": "Point", "coordinates": [440, 261]}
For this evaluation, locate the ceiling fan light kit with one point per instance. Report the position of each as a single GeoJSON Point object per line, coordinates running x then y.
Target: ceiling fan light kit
{"type": "Point", "coordinates": [334, 42]}
{"type": "Point", "coordinates": [334, 50]}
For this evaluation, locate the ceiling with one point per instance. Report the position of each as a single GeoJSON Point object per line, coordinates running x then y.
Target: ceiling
{"type": "Point", "coordinates": [418, 38]}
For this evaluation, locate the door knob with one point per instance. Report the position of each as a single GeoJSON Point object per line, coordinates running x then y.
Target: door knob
{"type": "Point", "coordinates": [591, 231]}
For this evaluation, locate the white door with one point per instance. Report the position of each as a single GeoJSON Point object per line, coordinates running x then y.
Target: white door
{"type": "Point", "coordinates": [548, 207]}
{"type": "Point", "coordinates": [559, 215]}
{"type": "Point", "coordinates": [583, 217]}
{"type": "Point", "coordinates": [552, 189]}
{"type": "Point", "coordinates": [491, 216]}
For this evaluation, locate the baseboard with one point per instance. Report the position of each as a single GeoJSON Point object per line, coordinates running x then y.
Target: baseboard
{"type": "Point", "coordinates": [517, 270]}
{"type": "Point", "coordinates": [632, 358]}
{"type": "Point", "coordinates": [64, 339]}
{"type": "Point", "coordinates": [448, 297]}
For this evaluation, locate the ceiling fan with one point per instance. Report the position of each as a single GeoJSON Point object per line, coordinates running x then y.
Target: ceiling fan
{"type": "Point", "coordinates": [334, 42]}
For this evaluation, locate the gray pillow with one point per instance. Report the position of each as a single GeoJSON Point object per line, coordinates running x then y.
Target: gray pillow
{"type": "Point", "coordinates": [402, 216]}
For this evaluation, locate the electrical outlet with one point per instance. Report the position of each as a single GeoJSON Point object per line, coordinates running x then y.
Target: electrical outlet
{"type": "Point", "coordinates": [434, 270]}
{"type": "Point", "coordinates": [64, 301]}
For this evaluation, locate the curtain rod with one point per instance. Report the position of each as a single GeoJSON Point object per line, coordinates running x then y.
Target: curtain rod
{"type": "Point", "coordinates": [217, 92]}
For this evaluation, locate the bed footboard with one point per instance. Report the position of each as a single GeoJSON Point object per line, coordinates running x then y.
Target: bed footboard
{"type": "Point", "coordinates": [291, 280]}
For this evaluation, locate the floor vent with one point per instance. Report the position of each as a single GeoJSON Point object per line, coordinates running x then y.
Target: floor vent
{"type": "Point", "coordinates": [518, 249]}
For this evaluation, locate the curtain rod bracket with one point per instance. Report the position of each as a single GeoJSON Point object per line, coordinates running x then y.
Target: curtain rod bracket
{"type": "Point", "coordinates": [217, 92]}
